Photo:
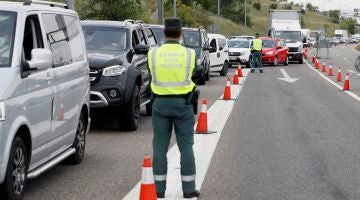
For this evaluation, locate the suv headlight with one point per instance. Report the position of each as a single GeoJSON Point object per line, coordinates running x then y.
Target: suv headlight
{"type": "Point", "coordinates": [115, 70]}
{"type": "Point", "coordinates": [198, 61]}
{"type": "Point", "coordinates": [2, 111]}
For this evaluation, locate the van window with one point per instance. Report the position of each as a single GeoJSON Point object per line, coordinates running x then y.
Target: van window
{"type": "Point", "coordinates": [150, 36]}
{"type": "Point", "coordinates": [75, 38]}
{"type": "Point", "coordinates": [222, 43]}
{"type": "Point", "coordinates": [32, 36]}
{"type": "Point", "coordinates": [213, 44]}
{"type": "Point", "coordinates": [7, 34]}
{"type": "Point", "coordinates": [58, 38]}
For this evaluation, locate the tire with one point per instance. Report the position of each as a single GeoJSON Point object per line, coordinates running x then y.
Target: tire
{"type": "Point", "coordinates": [148, 108]}
{"type": "Point", "coordinates": [249, 63]}
{"type": "Point", "coordinates": [14, 186]}
{"type": "Point", "coordinates": [79, 142]}
{"type": "Point", "coordinates": [286, 60]}
{"type": "Point", "coordinates": [301, 61]}
{"type": "Point", "coordinates": [207, 76]}
{"type": "Point", "coordinates": [130, 114]}
{"type": "Point", "coordinates": [276, 61]}
{"type": "Point", "coordinates": [225, 69]}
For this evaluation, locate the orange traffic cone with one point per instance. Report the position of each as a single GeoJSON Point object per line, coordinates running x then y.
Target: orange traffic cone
{"type": "Point", "coordinates": [330, 71]}
{"type": "Point", "coordinates": [323, 67]}
{"type": "Point", "coordinates": [227, 90]}
{"type": "Point", "coordinates": [313, 59]}
{"type": "Point", "coordinates": [317, 64]}
{"type": "Point", "coordinates": [202, 125]}
{"type": "Point", "coordinates": [147, 188]}
{"type": "Point", "coordinates": [339, 76]}
{"type": "Point", "coordinates": [239, 71]}
{"type": "Point", "coordinates": [305, 53]}
{"type": "Point", "coordinates": [236, 78]}
{"type": "Point", "coordinates": [346, 82]}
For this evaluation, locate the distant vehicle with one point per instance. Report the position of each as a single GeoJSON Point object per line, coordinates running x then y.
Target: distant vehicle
{"type": "Point", "coordinates": [355, 39]}
{"type": "Point", "coordinates": [246, 37]}
{"type": "Point", "coordinates": [335, 41]}
{"type": "Point", "coordinates": [342, 35]}
{"type": "Point", "coordinates": [285, 24]}
{"type": "Point", "coordinates": [197, 39]}
{"type": "Point", "coordinates": [306, 37]}
{"type": "Point", "coordinates": [274, 51]}
{"type": "Point", "coordinates": [219, 54]}
{"type": "Point", "coordinates": [119, 69]}
{"type": "Point", "coordinates": [44, 93]}
{"type": "Point", "coordinates": [240, 52]}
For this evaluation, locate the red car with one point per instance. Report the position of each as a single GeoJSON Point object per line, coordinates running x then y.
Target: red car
{"type": "Point", "coordinates": [274, 51]}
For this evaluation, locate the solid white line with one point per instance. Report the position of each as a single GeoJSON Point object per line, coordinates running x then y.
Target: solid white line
{"type": "Point", "coordinates": [353, 95]}
{"type": "Point", "coordinates": [204, 148]}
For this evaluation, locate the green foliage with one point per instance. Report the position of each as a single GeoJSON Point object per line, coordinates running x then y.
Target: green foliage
{"type": "Point", "coordinates": [273, 6]}
{"type": "Point", "coordinates": [257, 6]}
{"type": "Point", "coordinates": [349, 25]}
{"type": "Point", "coordinates": [335, 15]}
{"type": "Point", "coordinates": [312, 8]}
{"type": "Point", "coordinates": [303, 12]}
{"type": "Point", "coordinates": [289, 6]}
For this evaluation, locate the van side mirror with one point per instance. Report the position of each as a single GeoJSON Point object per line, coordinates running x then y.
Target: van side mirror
{"type": "Point", "coordinates": [208, 48]}
{"type": "Point", "coordinates": [40, 59]}
{"type": "Point", "coordinates": [142, 49]}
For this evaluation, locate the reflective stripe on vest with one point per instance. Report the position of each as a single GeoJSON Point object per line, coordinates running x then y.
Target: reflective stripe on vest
{"type": "Point", "coordinates": [257, 44]}
{"type": "Point", "coordinates": [186, 82]}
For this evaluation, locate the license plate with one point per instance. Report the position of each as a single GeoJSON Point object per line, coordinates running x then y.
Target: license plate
{"type": "Point", "coordinates": [233, 58]}
{"type": "Point", "coordinates": [290, 57]}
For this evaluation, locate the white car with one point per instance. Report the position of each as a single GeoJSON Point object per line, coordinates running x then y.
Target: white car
{"type": "Point", "coordinates": [246, 37]}
{"type": "Point", "coordinates": [219, 57]}
{"type": "Point", "coordinates": [240, 52]}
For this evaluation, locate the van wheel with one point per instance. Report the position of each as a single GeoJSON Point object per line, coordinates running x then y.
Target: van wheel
{"type": "Point", "coordinates": [15, 177]}
{"type": "Point", "coordinates": [224, 70]}
{"type": "Point", "coordinates": [130, 114]}
{"type": "Point", "coordinates": [79, 142]}
{"type": "Point", "coordinates": [207, 76]}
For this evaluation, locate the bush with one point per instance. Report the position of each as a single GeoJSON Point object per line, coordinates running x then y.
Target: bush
{"type": "Point", "coordinates": [273, 6]}
{"type": "Point", "coordinates": [257, 6]}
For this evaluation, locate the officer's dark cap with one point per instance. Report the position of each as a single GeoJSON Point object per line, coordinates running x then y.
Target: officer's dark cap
{"type": "Point", "coordinates": [257, 34]}
{"type": "Point", "coordinates": [173, 24]}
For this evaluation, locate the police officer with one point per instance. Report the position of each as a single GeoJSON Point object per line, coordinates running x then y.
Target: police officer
{"type": "Point", "coordinates": [171, 66]}
{"type": "Point", "coordinates": [256, 53]}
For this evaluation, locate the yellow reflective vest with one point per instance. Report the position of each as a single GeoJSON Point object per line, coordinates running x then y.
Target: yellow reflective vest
{"type": "Point", "coordinates": [171, 66]}
{"type": "Point", "coordinates": [257, 44]}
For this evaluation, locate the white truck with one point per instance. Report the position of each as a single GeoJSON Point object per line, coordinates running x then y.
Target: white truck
{"type": "Point", "coordinates": [306, 37]}
{"type": "Point", "coordinates": [342, 35]}
{"type": "Point", "coordinates": [285, 24]}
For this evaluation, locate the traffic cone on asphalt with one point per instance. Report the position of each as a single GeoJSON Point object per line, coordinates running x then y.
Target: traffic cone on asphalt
{"type": "Point", "coordinates": [147, 188]}
{"type": "Point", "coordinates": [227, 90]}
{"type": "Point", "coordinates": [317, 65]}
{"type": "Point", "coordinates": [305, 53]}
{"type": "Point", "coordinates": [330, 71]}
{"type": "Point", "coordinates": [313, 59]}
{"type": "Point", "coordinates": [339, 76]}
{"type": "Point", "coordinates": [346, 82]}
{"type": "Point", "coordinates": [202, 124]}
{"type": "Point", "coordinates": [239, 71]}
{"type": "Point", "coordinates": [236, 78]}
{"type": "Point", "coordinates": [323, 67]}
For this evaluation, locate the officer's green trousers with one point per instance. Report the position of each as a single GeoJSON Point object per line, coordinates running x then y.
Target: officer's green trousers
{"type": "Point", "coordinates": [166, 114]}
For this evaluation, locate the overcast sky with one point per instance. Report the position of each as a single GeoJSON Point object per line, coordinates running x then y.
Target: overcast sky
{"type": "Point", "coordinates": [332, 4]}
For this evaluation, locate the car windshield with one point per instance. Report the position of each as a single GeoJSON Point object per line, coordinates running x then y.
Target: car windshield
{"type": "Point", "coordinates": [239, 43]}
{"type": "Point", "coordinates": [289, 36]}
{"type": "Point", "coordinates": [191, 38]}
{"type": "Point", "coordinates": [269, 43]}
{"type": "Point", "coordinates": [159, 34]}
{"type": "Point", "coordinates": [106, 39]}
{"type": "Point", "coordinates": [7, 33]}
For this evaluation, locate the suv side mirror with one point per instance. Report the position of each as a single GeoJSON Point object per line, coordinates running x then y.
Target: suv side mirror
{"type": "Point", "coordinates": [141, 49]}
{"type": "Point", "coordinates": [40, 59]}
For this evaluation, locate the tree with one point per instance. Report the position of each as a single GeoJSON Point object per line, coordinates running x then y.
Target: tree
{"type": "Point", "coordinates": [349, 25]}
{"type": "Point", "coordinates": [312, 8]}
{"type": "Point", "coordinates": [335, 15]}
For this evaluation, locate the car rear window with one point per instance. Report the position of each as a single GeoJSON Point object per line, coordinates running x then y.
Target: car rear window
{"type": "Point", "coordinates": [269, 43]}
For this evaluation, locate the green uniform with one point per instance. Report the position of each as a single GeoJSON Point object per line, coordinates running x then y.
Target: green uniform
{"type": "Point", "coordinates": [256, 53]}
{"type": "Point", "coordinates": [171, 66]}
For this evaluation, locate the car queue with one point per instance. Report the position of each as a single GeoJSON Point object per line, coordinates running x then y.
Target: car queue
{"type": "Point", "coordinates": [57, 71]}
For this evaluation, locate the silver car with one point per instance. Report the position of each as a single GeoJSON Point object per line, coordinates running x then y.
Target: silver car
{"type": "Point", "coordinates": [44, 91]}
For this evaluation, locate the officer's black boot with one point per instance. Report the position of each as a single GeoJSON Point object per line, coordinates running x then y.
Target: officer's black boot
{"type": "Point", "coordinates": [252, 70]}
{"type": "Point", "coordinates": [261, 70]}
{"type": "Point", "coordinates": [192, 195]}
{"type": "Point", "coordinates": [160, 195]}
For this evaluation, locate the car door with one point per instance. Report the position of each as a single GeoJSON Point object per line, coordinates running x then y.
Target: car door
{"type": "Point", "coordinates": [224, 50]}
{"type": "Point", "coordinates": [64, 40]}
{"type": "Point", "coordinates": [214, 54]}
{"type": "Point", "coordinates": [280, 51]}
{"type": "Point", "coordinates": [38, 100]}
{"type": "Point", "coordinates": [140, 60]}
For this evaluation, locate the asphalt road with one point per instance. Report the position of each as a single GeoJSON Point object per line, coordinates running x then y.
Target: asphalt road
{"type": "Point", "coordinates": [283, 140]}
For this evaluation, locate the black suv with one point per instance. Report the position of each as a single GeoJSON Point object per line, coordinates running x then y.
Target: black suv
{"type": "Point", "coordinates": [117, 53]}
{"type": "Point", "coordinates": [197, 39]}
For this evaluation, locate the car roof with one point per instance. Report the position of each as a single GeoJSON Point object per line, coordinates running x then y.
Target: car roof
{"type": "Point", "coordinates": [105, 23]}
{"type": "Point", "coordinates": [156, 26]}
{"type": "Point", "coordinates": [214, 35]}
{"type": "Point", "coordinates": [20, 7]}
{"type": "Point", "coordinates": [238, 39]}
{"type": "Point", "coordinates": [190, 29]}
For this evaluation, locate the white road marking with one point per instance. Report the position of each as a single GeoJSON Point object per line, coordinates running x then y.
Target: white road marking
{"type": "Point", "coordinates": [353, 95]}
{"type": "Point", "coordinates": [204, 147]}
{"type": "Point", "coordinates": [350, 71]}
{"type": "Point", "coordinates": [287, 77]}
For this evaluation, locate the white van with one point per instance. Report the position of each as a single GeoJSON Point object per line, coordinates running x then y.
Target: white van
{"type": "Point", "coordinates": [219, 54]}
{"type": "Point", "coordinates": [44, 91]}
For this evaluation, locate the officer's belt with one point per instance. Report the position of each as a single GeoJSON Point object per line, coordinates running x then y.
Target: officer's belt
{"type": "Point", "coordinates": [172, 96]}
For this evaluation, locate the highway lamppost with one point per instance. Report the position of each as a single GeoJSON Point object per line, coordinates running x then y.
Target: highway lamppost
{"type": "Point", "coordinates": [218, 17]}
{"type": "Point", "coordinates": [160, 11]}
{"type": "Point", "coordinates": [245, 15]}
{"type": "Point", "coordinates": [174, 8]}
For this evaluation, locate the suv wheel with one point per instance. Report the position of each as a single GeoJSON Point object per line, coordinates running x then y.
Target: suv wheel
{"type": "Point", "coordinates": [207, 76]}
{"type": "Point", "coordinates": [130, 114]}
{"type": "Point", "coordinates": [301, 61]}
{"type": "Point", "coordinates": [249, 63]}
{"type": "Point", "coordinates": [224, 69]}
{"type": "Point", "coordinates": [79, 142]}
{"type": "Point", "coordinates": [15, 178]}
